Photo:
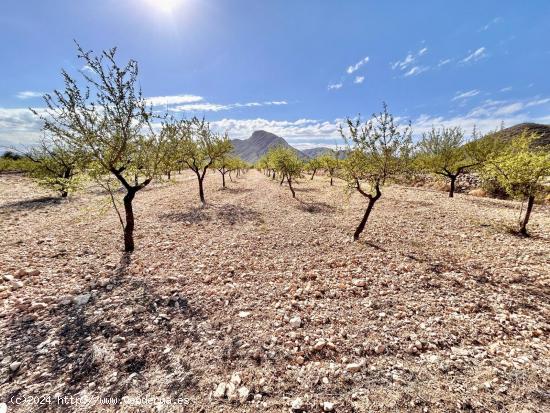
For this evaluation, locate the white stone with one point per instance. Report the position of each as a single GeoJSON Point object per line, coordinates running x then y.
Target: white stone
{"type": "Point", "coordinates": [15, 365]}
{"type": "Point", "coordinates": [219, 393]}
{"type": "Point", "coordinates": [295, 322]}
{"type": "Point", "coordinates": [297, 404]}
{"type": "Point", "coordinates": [244, 392]}
{"type": "Point", "coordinates": [328, 406]}
{"type": "Point", "coordinates": [82, 299]}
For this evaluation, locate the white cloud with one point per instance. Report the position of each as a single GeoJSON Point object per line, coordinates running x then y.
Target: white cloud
{"type": "Point", "coordinates": [506, 89]}
{"type": "Point", "coordinates": [465, 95]}
{"type": "Point", "coordinates": [18, 127]}
{"type": "Point", "coordinates": [474, 56]}
{"type": "Point", "coordinates": [409, 65]}
{"type": "Point", "coordinates": [298, 132]}
{"type": "Point", "coordinates": [415, 70]}
{"type": "Point", "coordinates": [403, 64]}
{"type": "Point", "coordinates": [444, 62]}
{"type": "Point", "coordinates": [353, 68]}
{"type": "Point", "coordinates": [359, 79]}
{"type": "Point", "coordinates": [492, 22]}
{"type": "Point", "coordinates": [29, 94]}
{"type": "Point", "coordinates": [216, 107]}
{"type": "Point", "coordinates": [173, 100]}
{"type": "Point", "coordinates": [335, 86]}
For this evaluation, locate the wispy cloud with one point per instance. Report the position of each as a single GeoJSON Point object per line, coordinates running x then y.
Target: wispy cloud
{"type": "Point", "coordinates": [506, 89]}
{"type": "Point", "coordinates": [217, 107]}
{"type": "Point", "coordinates": [444, 62]}
{"type": "Point", "coordinates": [354, 68]}
{"type": "Point", "coordinates": [335, 86]}
{"type": "Point", "coordinates": [475, 55]}
{"type": "Point", "coordinates": [415, 71]}
{"type": "Point", "coordinates": [465, 95]}
{"type": "Point", "coordinates": [403, 64]}
{"type": "Point", "coordinates": [359, 79]}
{"type": "Point", "coordinates": [29, 94]}
{"type": "Point", "coordinates": [409, 66]}
{"type": "Point", "coordinates": [491, 23]}
{"type": "Point", "coordinates": [173, 100]}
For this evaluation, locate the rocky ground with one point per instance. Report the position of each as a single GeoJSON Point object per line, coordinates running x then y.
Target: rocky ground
{"type": "Point", "coordinates": [262, 303]}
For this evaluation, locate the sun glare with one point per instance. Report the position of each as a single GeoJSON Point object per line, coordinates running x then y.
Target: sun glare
{"type": "Point", "coordinates": [166, 6]}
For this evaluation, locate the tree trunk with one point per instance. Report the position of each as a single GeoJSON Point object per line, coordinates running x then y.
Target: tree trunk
{"type": "Point", "coordinates": [313, 174]}
{"type": "Point", "coordinates": [523, 225]}
{"type": "Point", "coordinates": [64, 194]}
{"type": "Point", "coordinates": [129, 227]}
{"type": "Point", "coordinates": [231, 179]}
{"type": "Point", "coordinates": [282, 180]}
{"type": "Point", "coordinates": [452, 189]}
{"type": "Point", "coordinates": [223, 179]}
{"type": "Point", "coordinates": [372, 201]}
{"type": "Point", "coordinates": [201, 191]}
{"type": "Point", "coordinates": [169, 174]}
{"type": "Point", "coordinates": [331, 180]}
{"type": "Point", "coordinates": [289, 180]}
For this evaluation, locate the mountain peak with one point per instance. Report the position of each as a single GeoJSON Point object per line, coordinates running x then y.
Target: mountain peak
{"type": "Point", "coordinates": [253, 148]}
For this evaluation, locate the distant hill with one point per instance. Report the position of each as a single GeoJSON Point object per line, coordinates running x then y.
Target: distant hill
{"type": "Point", "coordinates": [313, 152]}
{"type": "Point", "coordinates": [542, 130]}
{"type": "Point", "coordinates": [258, 144]}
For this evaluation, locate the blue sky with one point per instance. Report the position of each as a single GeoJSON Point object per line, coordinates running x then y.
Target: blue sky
{"type": "Point", "coordinates": [293, 67]}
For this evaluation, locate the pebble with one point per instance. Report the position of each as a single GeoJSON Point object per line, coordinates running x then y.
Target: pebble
{"type": "Point", "coordinates": [295, 322]}
{"type": "Point", "coordinates": [15, 365]}
{"type": "Point", "coordinates": [219, 393]}
{"type": "Point", "coordinates": [81, 299]}
{"type": "Point", "coordinates": [359, 282]}
{"type": "Point", "coordinates": [328, 406]}
{"type": "Point", "coordinates": [297, 404]}
{"type": "Point", "coordinates": [355, 367]}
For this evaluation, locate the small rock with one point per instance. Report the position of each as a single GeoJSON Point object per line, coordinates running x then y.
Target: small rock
{"type": "Point", "coordinates": [16, 285]}
{"type": "Point", "coordinates": [15, 365]}
{"type": "Point", "coordinates": [328, 406]}
{"type": "Point", "coordinates": [355, 367]}
{"type": "Point", "coordinates": [118, 339]}
{"type": "Point", "coordinates": [295, 322]}
{"type": "Point", "coordinates": [359, 282]}
{"type": "Point", "coordinates": [297, 404]}
{"type": "Point", "coordinates": [3, 408]}
{"type": "Point", "coordinates": [244, 392]}
{"type": "Point", "coordinates": [81, 299]}
{"type": "Point", "coordinates": [319, 344]}
{"type": "Point", "coordinates": [244, 314]}
{"type": "Point", "coordinates": [379, 349]}
{"type": "Point", "coordinates": [219, 393]}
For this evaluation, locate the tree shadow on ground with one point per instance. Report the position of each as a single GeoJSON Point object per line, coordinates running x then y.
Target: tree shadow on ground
{"type": "Point", "coordinates": [316, 207]}
{"type": "Point", "coordinates": [34, 203]}
{"type": "Point", "coordinates": [227, 213]}
{"type": "Point", "coordinates": [67, 331]}
{"type": "Point", "coordinates": [233, 190]}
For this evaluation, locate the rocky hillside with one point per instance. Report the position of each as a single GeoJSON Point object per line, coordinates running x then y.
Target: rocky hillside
{"type": "Point", "coordinates": [258, 144]}
{"type": "Point", "coordinates": [542, 130]}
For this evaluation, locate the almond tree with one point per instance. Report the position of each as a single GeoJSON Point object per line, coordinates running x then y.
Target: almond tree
{"type": "Point", "coordinates": [313, 165]}
{"type": "Point", "coordinates": [55, 165]}
{"type": "Point", "coordinates": [330, 163]}
{"type": "Point", "coordinates": [443, 152]}
{"type": "Point", "coordinates": [108, 121]}
{"type": "Point", "coordinates": [199, 148]}
{"type": "Point", "coordinates": [378, 150]}
{"type": "Point", "coordinates": [227, 164]}
{"type": "Point", "coordinates": [288, 164]}
{"type": "Point", "coordinates": [521, 169]}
